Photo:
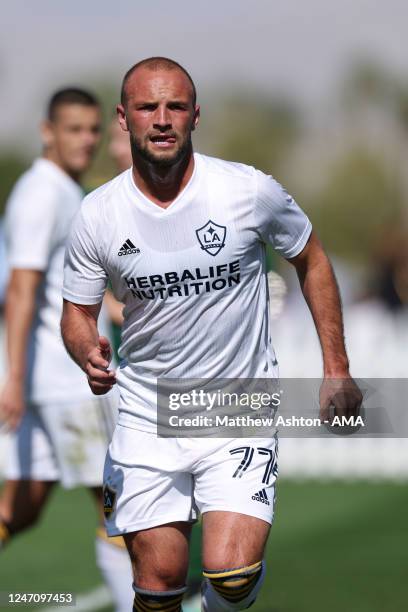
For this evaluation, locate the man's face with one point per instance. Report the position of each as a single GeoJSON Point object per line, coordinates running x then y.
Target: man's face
{"type": "Point", "coordinates": [159, 115]}
{"type": "Point", "coordinates": [72, 137]}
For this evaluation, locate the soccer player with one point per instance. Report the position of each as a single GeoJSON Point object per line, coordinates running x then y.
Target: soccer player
{"type": "Point", "coordinates": [61, 430]}
{"type": "Point", "coordinates": [181, 237]}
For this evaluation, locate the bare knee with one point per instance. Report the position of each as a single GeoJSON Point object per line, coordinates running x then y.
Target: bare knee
{"type": "Point", "coordinates": [160, 556]}
{"type": "Point", "coordinates": [157, 571]}
{"type": "Point", "coordinates": [232, 540]}
{"type": "Point", "coordinates": [160, 577]}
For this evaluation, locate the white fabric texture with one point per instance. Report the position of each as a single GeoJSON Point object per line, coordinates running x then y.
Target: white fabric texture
{"type": "Point", "coordinates": [65, 442]}
{"type": "Point", "coordinates": [151, 481]}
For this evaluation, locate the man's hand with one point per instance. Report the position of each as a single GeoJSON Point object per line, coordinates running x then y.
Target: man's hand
{"type": "Point", "coordinates": [341, 393]}
{"type": "Point", "coordinates": [100, 379]}
{"type": "Point", "coordinates": [12, 403]}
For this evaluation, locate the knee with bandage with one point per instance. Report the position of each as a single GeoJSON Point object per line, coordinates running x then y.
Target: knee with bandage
{"type": "Point", "coordinates": [158, 601]}
{"type": "Point", "coordinates": [234, 589]}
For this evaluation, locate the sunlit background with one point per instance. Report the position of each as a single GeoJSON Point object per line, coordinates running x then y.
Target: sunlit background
{"type": "Point", "coordinates": [315, 93]}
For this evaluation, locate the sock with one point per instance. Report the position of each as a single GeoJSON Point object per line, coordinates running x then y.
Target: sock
{"type": "Point", "coordinates": [158, 601]}
{"type": "Point", "coordinates": [114, 563]}
{"type": "Point", "coordinates": [212, 601]}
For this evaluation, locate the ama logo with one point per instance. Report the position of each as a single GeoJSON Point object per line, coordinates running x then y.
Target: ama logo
{"type": "Point", "coordinates": [211, 237]}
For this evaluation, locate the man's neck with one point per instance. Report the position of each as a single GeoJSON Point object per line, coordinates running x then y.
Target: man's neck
{"type": "Point", "coordinates": [162, 184]}
{"type": "Point", "coordinates": [55, 160]}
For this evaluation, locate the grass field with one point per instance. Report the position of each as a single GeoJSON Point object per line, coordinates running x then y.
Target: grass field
{"type": "Point", "coordinates": [334, 546]}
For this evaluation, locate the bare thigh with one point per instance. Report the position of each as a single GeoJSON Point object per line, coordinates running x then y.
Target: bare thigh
{"type": "Point", "coordinates": [232, 540]}
{"type": "Point", "coordinates": [22, 501]}
{"type": "Point", "coordinates": [160, 555]}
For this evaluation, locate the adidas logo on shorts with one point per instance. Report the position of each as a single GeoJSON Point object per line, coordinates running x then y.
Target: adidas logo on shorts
{"type": "Point", "coordinates": [261, 496]}
{"type": "Point", "coordinates": [128, 248]}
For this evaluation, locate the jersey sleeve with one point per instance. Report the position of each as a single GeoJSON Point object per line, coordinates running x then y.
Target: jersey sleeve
{"type": "Point", "coordinates": [31, 220]}
{"type": "Point", "coordinates": [279, 220]}
{"type": "Point", "coordinates": [85, 279]}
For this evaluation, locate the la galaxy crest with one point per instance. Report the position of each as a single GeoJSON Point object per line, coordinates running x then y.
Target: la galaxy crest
{"type": "Point", "coordinates": [109, 501]}
{"type": "Point", "coordinates": [211, 237]}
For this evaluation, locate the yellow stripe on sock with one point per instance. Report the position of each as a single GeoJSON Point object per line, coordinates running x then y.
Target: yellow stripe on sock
{"type": "Point", "coordinates": [227, 587]}
{"type": "Point", "coordinates": [232, 595]}
{"type": "Point", "coordinates": [249, 568]}
{"type": "Point", "coordinates": [143, 605]}
{"type": "Point", "coordinates": [234, 583]}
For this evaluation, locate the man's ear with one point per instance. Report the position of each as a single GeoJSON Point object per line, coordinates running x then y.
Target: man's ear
{"type": "Point", "coordinates": [47, 133]}
{"type": "Point", "coordinates": [120, 109]}
{"type": "Point", "coordinates": [196, 117]}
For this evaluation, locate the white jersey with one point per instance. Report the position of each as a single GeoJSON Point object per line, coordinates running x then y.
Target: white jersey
{"type": "Point", "coordinates": [192, 276]}
{"type": "Point", "coordinates": [38, 219]}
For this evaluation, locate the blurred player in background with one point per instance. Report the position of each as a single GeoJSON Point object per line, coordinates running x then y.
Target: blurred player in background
{"type": "Point", "coordinates": [61, 431]}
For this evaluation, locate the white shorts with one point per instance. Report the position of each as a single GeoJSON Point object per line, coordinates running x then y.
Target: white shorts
{"type": "Point", "coordinates": [63, 441]}
{"type": "Point", "coordinates": [150, 481]}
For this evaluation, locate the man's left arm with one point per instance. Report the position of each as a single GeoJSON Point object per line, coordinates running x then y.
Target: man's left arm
{"type": "Point", "coordinates": [321, 293]}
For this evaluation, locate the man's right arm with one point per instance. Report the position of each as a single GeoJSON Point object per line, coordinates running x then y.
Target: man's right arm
{"type": "Point", "coordinates": [85, 281]}
{"type": "Point", "coordinates": [19, 315]}
{"type": "Point", "coordinates": [90, 351]}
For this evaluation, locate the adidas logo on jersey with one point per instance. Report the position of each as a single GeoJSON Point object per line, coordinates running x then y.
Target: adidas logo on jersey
{"type": "Point", "coordinates": [128, 248]}
{"type": "Point", "coordinates": [261, 496]}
